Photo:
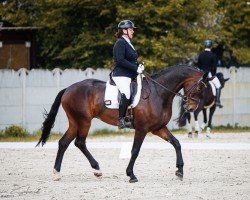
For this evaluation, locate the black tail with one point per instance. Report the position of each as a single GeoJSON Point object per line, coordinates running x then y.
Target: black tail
{"type": "Point", "coordinates": [50, 118]}
{"type": "Point", "coordinates": [182, 119]}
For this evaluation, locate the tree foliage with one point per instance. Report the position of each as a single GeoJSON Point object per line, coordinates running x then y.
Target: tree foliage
{"type": "Point", "coordinates": [80, 33]}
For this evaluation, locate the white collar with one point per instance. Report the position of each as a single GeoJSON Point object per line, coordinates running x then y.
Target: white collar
{"type": "Point", "coordinates": [128, 41]}
{"type": "Point", "coordinates": [207, 49]}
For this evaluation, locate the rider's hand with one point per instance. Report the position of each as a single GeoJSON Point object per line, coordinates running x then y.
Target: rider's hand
{"type": "Point", "coordinates": [142, 66]}
{"type": "Point", "coordinates": [139, 70]}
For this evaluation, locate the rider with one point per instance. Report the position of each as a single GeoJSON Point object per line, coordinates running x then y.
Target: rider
{"type": "Point", "coordinates": [126, 66]}
{"type": "Point", "coordinates": [207, 63]}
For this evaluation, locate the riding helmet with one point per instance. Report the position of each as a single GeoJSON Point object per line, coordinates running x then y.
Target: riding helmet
{"type": "Point", "coordinates": [125, 24]}
{"type": "Point", "coordinates": [208, 43]}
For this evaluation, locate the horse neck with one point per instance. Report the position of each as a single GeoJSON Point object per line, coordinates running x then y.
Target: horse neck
{"type": "Point", "coordinates": [174, 80]}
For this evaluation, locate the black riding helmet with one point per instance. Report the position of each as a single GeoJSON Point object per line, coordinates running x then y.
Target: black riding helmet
{"type": "Point", "coordinates": [208, 43]}
{"type": "Point", "coordinates": [125, 24]}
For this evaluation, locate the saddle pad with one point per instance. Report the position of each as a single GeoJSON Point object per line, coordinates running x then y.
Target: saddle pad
{"type": "Point", "coordinates": [111, 95]}
{"type": "Point", "coordinates": [213, 88]}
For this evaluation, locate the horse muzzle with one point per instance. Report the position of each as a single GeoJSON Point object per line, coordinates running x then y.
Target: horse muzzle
{"type": "Point", "coordinates": [190, 107]}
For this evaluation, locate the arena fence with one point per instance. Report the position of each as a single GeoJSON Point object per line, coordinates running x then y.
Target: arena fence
{"type": "Point", "coordinates": [25, 94]}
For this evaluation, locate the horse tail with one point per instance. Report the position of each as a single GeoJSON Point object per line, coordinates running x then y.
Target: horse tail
{"type": "Point", "coordinates": [182, 119]}
{"type": "Point", "coordinates": [50, 118]}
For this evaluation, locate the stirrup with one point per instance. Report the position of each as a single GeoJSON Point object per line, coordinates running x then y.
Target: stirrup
{"type": "Point", "coordinates": [123, 124]}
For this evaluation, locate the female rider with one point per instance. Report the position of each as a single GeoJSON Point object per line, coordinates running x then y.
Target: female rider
{"type": "Point", "coordinates": [126, 66]}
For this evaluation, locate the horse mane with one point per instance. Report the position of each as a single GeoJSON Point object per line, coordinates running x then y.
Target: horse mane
{"type": "Point", "coordinates": [172, 68]}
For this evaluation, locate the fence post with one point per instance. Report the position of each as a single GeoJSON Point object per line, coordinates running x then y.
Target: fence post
{"type": "Point", "coordinates": [233, 71]}
{"type": "Point", "coordinates": [23, 73]}
{"type": "Point", "coordinates": [57, 72]}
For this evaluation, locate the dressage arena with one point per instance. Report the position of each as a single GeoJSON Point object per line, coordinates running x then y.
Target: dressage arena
{"type": "Point", "coordinates": [217, 168]}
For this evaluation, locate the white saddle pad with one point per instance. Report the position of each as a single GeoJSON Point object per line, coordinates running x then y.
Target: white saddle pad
{"type": "Point", "coordinates": [111, 95]}
{"type": "Point", "coordinates": [213, 88]}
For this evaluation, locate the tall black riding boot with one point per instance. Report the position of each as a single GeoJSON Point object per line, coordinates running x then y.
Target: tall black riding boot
{"type": "Point", "coordinates": [217, 102]}
{"type": "Point", "coordinates": [123, 106]}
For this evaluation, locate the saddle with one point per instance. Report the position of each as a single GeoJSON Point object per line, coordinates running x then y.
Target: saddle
{"type": "Point", "coordinates": [133, 90]}
{"type": "Point", "coordinates": [112, 96]}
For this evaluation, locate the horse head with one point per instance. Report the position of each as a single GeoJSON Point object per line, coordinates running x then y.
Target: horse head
{"type": "Point", "coordinates": [193, 89]}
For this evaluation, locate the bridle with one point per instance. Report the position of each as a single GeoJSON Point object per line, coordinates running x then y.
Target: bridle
{"type": "Point", "coordinates": [187, 95]}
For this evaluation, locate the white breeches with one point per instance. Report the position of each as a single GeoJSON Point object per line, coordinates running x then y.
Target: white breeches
{"type": "Point", "coordinates": [123, 84]}
{"type": "Point", "coordinates": [215, 81]}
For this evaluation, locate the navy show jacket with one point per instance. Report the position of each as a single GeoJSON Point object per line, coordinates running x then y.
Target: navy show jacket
{"type": "Point", "coordinates": [125, 59]}
{"type": "Point", "coordinates": [207, 62]}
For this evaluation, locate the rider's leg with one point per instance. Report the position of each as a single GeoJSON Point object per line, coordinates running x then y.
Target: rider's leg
{"type": "Point", "coordinates": [217, 84]}
{"type": "Point", "coordinates": [123, 106]}
{"type": "Point", "coordinates": [217, 102]}
{"type": "Point", "coordinates": [123, 84]}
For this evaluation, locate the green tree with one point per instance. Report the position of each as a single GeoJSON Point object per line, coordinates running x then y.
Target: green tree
{"type": "Point", "coordinates": [79, 33]}
{"type": "Point", "coordinates": [235, 22]}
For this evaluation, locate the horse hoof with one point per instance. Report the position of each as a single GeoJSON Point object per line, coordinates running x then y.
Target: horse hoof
{"type": "Point", "coordinates": [196, 134]}
{"type": "Point", "coordinates": [133, 180]}
{"type": "Point", "coordinates": [57, 176]}
{"type": "Point", "coordinates": [189, 135]}
{"type": "Point", "coordinates": [179, 175]}
{"type": "Point", "coordinates": [98, 173]}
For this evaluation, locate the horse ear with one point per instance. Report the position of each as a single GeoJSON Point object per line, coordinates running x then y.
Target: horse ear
{"type": "Point", "coordinates": [226, 79]}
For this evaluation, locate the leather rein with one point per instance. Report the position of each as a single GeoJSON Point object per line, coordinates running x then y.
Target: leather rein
{"type": "Point", "coordinates": [184, 97]}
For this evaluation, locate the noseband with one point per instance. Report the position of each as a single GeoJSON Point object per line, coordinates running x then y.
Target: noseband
{"type": "Point", "coordinates": [184, 97]}
{"type": "Point", "coordinates": [190, 90]}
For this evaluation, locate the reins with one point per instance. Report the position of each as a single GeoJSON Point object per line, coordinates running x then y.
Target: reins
{"type": "Point", "coordinates": [184, 97]}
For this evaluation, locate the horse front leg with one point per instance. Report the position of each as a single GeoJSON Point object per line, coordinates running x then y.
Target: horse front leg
{"type": "Point", "coordinates": [165, 134]}
{"type": "Point", "coordinates": [204, 111]}
{"type": "Point", "coordinates": [189, 125]}
{"type": "Point", "coordinates": [138, 140]}
{"type": "Point", "coordinates": [196, 123]}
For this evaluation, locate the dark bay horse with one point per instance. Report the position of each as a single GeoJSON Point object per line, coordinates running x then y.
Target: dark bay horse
{"type": "Point", "coordinates": [207, 102]}
{"type": "Point", "coordinates": [84, 101]}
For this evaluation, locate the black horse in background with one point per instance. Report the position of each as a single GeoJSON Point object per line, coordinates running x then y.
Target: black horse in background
{"type": "Point", "coordinates": [207, 102]}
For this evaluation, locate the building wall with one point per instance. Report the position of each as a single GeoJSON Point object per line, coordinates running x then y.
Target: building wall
{"type": "Point", "coordinates": [25, 94]}
{"type": "Point", "coordinates": [18, 48]}
{"type": "Point", "coordinates": [13, 56]}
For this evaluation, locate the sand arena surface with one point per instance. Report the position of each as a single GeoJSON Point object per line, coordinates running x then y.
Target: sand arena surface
{"type": "Point", "coordinates": [208, 174]}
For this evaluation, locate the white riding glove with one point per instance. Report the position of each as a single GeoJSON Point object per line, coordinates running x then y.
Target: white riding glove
{"type": "Point", "coordinates": [139, 70]}
{"type": "Point", "coordinates": [142, 66]}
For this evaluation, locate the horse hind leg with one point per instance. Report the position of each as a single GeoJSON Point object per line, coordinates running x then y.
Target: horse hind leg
{"type": "Point", "coordinates": [63, 145]}
{"type": "Point", "coordinates": [80, 143]}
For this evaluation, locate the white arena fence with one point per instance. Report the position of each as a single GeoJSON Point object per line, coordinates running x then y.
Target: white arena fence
{"type": "Point", "coordinates": [25, 94]}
